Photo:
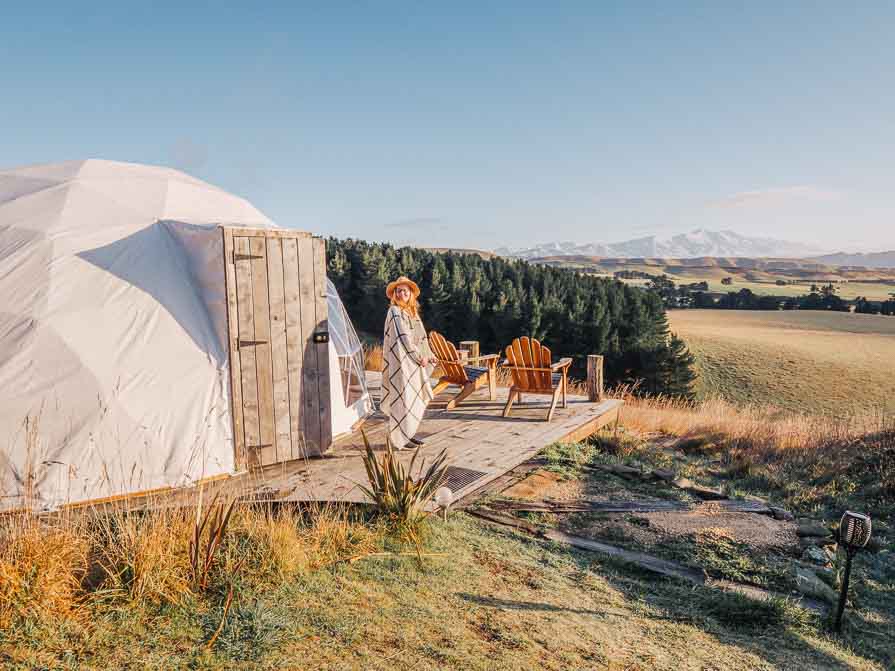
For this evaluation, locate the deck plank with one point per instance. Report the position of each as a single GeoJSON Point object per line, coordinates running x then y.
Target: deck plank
{"type": "Point", "coordinates": [474, 435]}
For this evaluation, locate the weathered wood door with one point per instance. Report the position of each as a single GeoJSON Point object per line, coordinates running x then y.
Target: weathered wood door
{"type": "Point", "coordinates": [279, 358]}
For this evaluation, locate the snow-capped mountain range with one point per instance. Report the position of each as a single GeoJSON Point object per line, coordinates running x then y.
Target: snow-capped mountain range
{"type": "Point", "coordinates": [684, 245]}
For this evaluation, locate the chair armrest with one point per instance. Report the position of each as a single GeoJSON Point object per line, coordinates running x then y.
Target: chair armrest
{"type": "Point", "coordinates": [509, 366]}
{"type": "Point", "coordinates": [562, 363]}
{"type": "Point", "coordinates": [487, 358]}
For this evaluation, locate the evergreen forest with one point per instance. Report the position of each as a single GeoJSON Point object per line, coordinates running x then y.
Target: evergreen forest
{"type": "Point", "coordinates": [493, 300]}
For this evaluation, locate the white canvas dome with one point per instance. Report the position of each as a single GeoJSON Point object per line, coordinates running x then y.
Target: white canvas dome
{"type": "Point", "coordinates": [114, 373]}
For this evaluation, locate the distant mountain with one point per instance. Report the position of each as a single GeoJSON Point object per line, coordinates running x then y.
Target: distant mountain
{"type": "Point", "coordinates": [460, 250]}
{"type": "Point", "coordinates": [872, 260]}
{"type": "Point", "coordinates": [685, 245]}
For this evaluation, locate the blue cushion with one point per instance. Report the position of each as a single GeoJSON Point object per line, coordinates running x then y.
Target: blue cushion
{"type": "Point", "coordinates": [474, 372]}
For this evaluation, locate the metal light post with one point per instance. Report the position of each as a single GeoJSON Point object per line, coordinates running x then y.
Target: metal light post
{"type": "Point", "coordinates": [854, 532]}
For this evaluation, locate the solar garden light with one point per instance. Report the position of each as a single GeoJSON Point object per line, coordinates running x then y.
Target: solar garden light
{"type": "Point", "coordinates": [444, 497]}
{"type": "Point", "coordinates": [854, 532]}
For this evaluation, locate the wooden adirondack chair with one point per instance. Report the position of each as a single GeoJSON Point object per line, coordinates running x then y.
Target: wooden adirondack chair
{"type": "Point", "coordinates": [468, 377]}
{"type": "Point", "coordinates": [534, 373]}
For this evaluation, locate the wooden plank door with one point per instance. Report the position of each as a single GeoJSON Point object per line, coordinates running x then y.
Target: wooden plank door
{"type": "Point", "coordinates": [279, 356]}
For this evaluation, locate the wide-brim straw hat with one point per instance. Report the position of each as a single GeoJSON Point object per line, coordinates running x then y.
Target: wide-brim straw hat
{"type": "Point", "coordinates": [390, 289]}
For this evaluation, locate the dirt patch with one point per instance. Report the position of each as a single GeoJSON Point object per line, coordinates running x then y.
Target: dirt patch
{"type": "Point", "coordinates": [537, 485]}
{"type": "Point", "coordinates": [544, 485]}
{"type": "Point", "coordinates": [760, 532]}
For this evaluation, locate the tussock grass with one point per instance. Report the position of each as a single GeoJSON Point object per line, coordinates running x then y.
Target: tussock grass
{"type": "Point", "coordinates": [811, 462]}
{"type": "Point", "coordinates": [756, 426]}
{"type": "Point", "coordinates": [50, 567]}
{"type": "Point", "coordinates": [740, 612]}
{"type": "Point", "coordinates": [41, 570]}
{"type": "Point", "coordinates": [142, 556]}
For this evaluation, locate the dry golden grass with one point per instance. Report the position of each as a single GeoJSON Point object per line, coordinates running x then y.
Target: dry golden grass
{"type": "Point", "coordinates": [758, 427]}
{"type": "Point", "coordinates": [815, 362]}
{"type": "Point", "coordinates": [143, 556]}
{"type": "Point", "coordinates": [373, 358]}
{"type": "Point", "coordinates": [852, 456]}
{"type": "Point", "coordinates": [50, 566]}
{"type": "Point", "coordinates": [41, 569]}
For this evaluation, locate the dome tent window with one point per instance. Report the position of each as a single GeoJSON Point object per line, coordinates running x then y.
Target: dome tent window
{"type": "Point", "coordinates": [351, 400]}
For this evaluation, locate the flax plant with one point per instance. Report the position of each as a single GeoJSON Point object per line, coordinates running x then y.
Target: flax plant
{"type": "Point", "coordinates": [393, 489]}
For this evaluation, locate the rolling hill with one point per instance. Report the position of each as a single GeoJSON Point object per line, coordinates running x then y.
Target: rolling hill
{"type": "Point", "coordinates": [871, 260]}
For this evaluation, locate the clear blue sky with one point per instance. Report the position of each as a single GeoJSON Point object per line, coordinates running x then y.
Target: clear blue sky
{"type": "Point", "coordinates": [480, 124]}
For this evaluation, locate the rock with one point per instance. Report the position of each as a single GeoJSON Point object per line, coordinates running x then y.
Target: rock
{"type": "Point", "coordinates": [664, 474]}
{"type": "Point", "coordinates": [807, 582]}
{"type": "Point", "coordinates": [809, 528]}
{"type": "Point", "coordinates": [825, 573]}
{"type": "Point", "coordinates": [704, 493]}
{"type": "Point", "coordinates": [626, 472]}
{"type": "Point", "coordinates": [813, 541]}
{"type": "Point", "coordinates": [782, 514]}
{"type": "Point", "coordinates": [816, 555]}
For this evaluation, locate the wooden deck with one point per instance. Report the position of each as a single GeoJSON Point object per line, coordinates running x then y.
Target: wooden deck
{"type": "Point", "coordinates": [481, 446]}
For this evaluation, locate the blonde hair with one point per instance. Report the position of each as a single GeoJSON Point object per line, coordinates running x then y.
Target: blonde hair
{"type": "Point", "coordinates": [411, 307]}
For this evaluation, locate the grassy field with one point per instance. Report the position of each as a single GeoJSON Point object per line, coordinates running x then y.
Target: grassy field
{"type": "Point", "coordinates": [805, 361]}
{"type": "Point", "coordinates": [761, 282]}
{"type": "Point", "coordinates": [848, 291]}
{"type": "Point", "coordinates": [481, 598]}
{"type": "Point", "coordinates": [335, 589]}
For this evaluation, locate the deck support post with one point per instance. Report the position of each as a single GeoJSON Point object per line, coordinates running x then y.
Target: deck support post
{"type": "Point", "coordinates": [594, 378]}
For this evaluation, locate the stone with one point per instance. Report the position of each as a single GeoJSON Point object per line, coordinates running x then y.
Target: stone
{"type": "Point", "coordinates": [782, 514]}
{"type": "Point", "coordinates": [809, 528]}
{"type": "Point", "coordinates": [807, 582]}
{"type": "Point", "coordinates": [626, 472]}
{"type": "Point", "coordinates": [705, 493]}
{"type": "Point", "coordinates": [816, 555]}
{"type": "Point", "coordinates": [664, 474]}
{"type": "Point", "coordinates": [812, 541]}
{"type": "Point", "coordinates": [825, 573]}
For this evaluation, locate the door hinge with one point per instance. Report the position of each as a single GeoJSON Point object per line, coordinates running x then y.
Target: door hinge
{"type": "Point", "coordinates": [245, 257]}
{"type": "Point", "coordinates": [250, 343]}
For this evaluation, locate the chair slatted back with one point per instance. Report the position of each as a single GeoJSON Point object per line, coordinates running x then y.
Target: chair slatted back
{"type": "Point", "coordinates": [448, 357]}
{"type": "Point", "coordinates": [529, 353]}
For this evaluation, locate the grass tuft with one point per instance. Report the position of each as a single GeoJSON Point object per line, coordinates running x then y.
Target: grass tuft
{"type": "Point", "coordinates": [41, 570]}
{"type": "Point", "coordinates": [739, 612]}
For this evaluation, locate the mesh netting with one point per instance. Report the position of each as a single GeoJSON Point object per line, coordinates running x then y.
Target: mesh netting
{"type": "Point", "coordinates": [343, 338]}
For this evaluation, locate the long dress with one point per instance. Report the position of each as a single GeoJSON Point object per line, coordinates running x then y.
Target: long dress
{"type": "Point", "coordinates": [405, 381]}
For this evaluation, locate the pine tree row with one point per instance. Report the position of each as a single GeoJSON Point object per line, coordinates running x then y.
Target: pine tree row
{"type": "Point", "coordinates": [467, 297]}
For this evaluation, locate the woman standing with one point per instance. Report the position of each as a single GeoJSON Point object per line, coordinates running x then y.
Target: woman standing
{"type": "Point", "coordinates": [408, 364]}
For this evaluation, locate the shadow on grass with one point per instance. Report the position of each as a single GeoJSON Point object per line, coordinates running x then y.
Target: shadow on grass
{"type": "Point", "coordinates": [774, 630]}
{"type": "Point", "coordinates": [538, 606]}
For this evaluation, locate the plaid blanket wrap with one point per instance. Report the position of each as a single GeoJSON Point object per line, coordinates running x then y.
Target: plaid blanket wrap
{"type": "Point", "coordinates": [405, 383]}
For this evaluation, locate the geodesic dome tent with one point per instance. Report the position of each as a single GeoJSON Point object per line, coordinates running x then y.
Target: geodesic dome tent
{"type": "Point", "coordinates": [156, 330]}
